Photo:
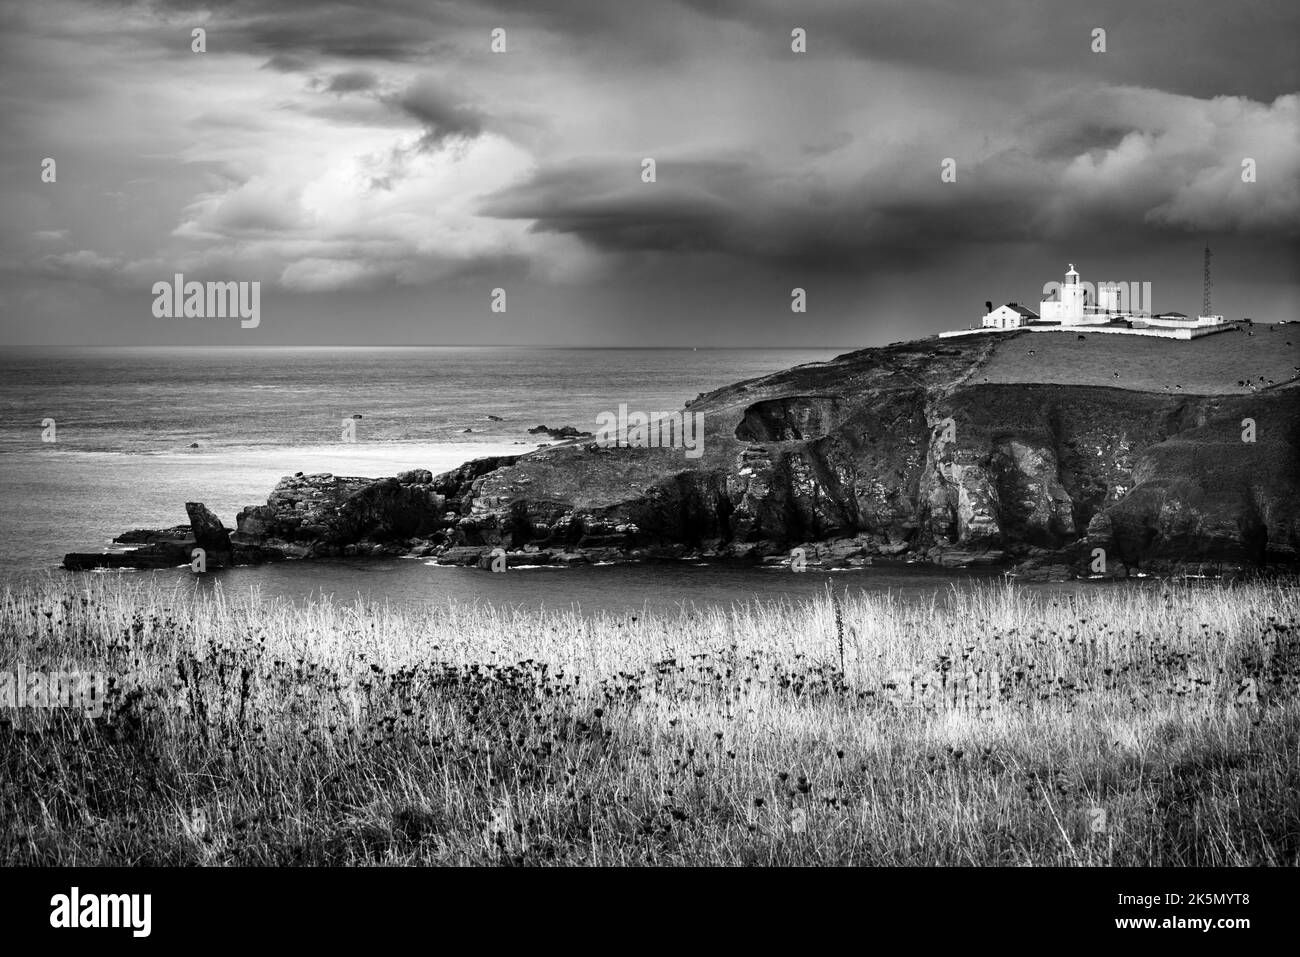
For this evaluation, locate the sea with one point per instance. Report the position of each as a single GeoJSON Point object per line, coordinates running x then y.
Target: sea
{"type": "Point", "coordinates": [96, 441]}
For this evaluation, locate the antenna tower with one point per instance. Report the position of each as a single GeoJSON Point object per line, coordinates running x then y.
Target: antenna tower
{"type": "Point", "coordinates": [1205, 294]}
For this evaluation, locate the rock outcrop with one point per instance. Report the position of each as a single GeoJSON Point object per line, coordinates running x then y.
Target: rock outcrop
{"type": "Point", "coordinates": [315, 515]}
{"type": "Point", "coordinates": [209, 534]}
{"type": "Point", "coordinates": [563, 432]}
{"type": "Point", "coordinates": [905, 452]}
{"type": "Point", "coordinates": [173, 547]}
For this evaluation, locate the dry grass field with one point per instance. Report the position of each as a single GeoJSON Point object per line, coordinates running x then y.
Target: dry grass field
{"type": "Point", "coordinates": [1153, 725]}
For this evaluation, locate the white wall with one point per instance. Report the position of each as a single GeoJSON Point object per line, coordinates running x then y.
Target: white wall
{"type": "Point", "coordinates": [1003, 317]}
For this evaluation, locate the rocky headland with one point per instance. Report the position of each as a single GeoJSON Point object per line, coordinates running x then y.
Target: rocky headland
{"type": "Point", "coordinates": [1036, 452]}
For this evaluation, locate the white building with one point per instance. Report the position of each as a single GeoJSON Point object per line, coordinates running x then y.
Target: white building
{"type": "Point", "coordinates": [1176, 320]}
{"type": "Point", "coordinates": [1011, 316]}
{"type": "Point", "coordinates": [1118, 309]}
{"type": "Point", "coordinates": [1068, 306]}
{"type": "Point", "coordinates": [1112, 297]}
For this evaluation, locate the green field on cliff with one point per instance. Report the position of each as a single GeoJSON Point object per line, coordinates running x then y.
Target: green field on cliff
{"type": "Point", "coordinates": [1212, 365]}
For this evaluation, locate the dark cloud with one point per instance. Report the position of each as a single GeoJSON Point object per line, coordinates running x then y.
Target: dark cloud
{"type": "Point", "coordinates": [438, 111]}
{"type": "Point", "coordinates": [736, 208]}
{"type": "Point", "coordinates": [608, 205]}
{"type": "Point", "coordinates": [1202, 50]}
{"type": "Point", "coordinates": [337, 34]}
{"type": "Point", "coordinates": [1119, 165]}
{"type": "Point", "coordinates": [1211, 49]}
{"type": "Point", "coordinates": [353, 81]}
{"type": "Point", "coordinates": [406, 30]}
{"type": "Point", "coordinates": [285, 63]}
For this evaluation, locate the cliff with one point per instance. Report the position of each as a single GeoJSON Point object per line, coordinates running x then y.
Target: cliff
{"type": "Point", "coordinates": [1000, 448]}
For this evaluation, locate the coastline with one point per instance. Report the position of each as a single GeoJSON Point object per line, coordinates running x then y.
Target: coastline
{"type": "Point", "coordinates": [137, 489]}
{"type": "Point", "coordinates": [908, 451]}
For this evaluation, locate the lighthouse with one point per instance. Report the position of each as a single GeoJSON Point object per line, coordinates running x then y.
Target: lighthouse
{"type": "Point", "coordinates": [1067, 307]}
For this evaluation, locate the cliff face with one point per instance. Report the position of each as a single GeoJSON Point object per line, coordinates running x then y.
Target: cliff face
{"type": "Point", "coordinates": [319, 515]}
{"type": "Point", "coordinates": [1205, 495]}
{"type": "Point", "coordinates": [905, 450]}
{"type": "Point", "coordinates": [929, 449]}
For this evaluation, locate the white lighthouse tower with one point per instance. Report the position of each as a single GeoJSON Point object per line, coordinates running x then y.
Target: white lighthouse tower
{"type": "Point", "coordinates": [1067, 308]}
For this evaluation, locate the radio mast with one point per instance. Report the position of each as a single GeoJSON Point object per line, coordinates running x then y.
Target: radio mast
{"type": "Point", "coordinates": [1205, 295]}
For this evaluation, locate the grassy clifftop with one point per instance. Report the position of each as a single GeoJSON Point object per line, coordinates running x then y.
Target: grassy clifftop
{"type": "Point", "coordinates": [1212, 365]}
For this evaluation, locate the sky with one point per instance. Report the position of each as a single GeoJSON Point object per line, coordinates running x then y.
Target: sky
{"type": "Point", "coordinates": [380, 169]}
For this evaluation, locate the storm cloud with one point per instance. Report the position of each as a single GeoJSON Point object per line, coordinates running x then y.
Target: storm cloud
{"type": "Point", "coordinates": [386, 150]}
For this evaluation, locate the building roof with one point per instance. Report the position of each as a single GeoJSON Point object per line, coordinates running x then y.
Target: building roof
{"type": "Point", "coordinates": [1023, 311]}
